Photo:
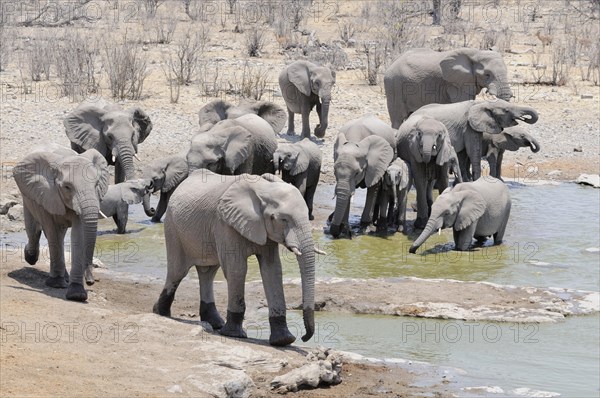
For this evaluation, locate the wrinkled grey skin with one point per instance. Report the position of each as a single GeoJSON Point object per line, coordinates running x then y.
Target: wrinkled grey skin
{"type": "Point", "coordinates": [304, 85]}
{"type": "Point", "coordinates": [234, 146]}
{"type": "Point", "coordinates": [473, 209]}
{"type": "Point", "coordinates": [217, 110]}
{"type": "Point", "coordinates": [511, 139]}
{"type": "Point", "coordinates": [118, 197]}
{"type": "Point", "coordinates": [62, 189]}
{"type": "Point", "coordinates": [112, 131]}
{"type": "Point", "coordinates": [422, 76]}
{"type": "Point", "coordinates": [467, 121]}
{"type": "Point", "coordinates": [424, 143]}
{"type": "Point", "coordinates": [363, 150]}
{"type": "Point", "coordinates": [164, 176]}
{"type": "Point", "coordinates": [216, 220]}
{"type": "Point", "coordinates": [392, 196]}
{"type": "Point", "coordinates": [300, 165]}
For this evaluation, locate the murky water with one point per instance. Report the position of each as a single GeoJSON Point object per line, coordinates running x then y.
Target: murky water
{"type": "Point", "coordinates": [552, 240]}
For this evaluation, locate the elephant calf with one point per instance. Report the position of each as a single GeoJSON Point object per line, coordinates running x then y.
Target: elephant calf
{"type": "Point", "coordinates": [511, 139]}
{"type": "Point", "coordinates": [392, 196]}
{"type": "Point", "coordinates": [164, 175]}
{"type": "Point", "coordinates": [473, 209]}
{"type": "Point", "coordinates": [215, 220]}
{"type": "Point", "coordinates": [300, 165]}
{"type": "Point", "coordinates": [118, 197]}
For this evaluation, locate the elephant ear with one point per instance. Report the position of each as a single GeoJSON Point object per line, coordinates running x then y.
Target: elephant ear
{"type": "Point", "coordinates": [471, 209]}
{"type": "Point", "coordinates": [241, 208]}
{"type": "Point", "coordinates": [379, 155]}
{"type": "Point", "coordinates": [298, 74]}
{"type": "Point", "coordinates": [301, 164]}
{"type": "Point", "coordinates": [457, 68]}
{"type": "Point", "coordinates": [339, 143]}
{"type": "Point", "coordinates": [84, 127]}
{"type": "Point", "coordinates": [132, 191]}
{"type": "Point", "coordinates": [175, 172]}
{"type": "Point", "coordinates": [237, 146]}
{"type": "Point", "coordinates": [446, 152]}
{"type": "Point", "coordinates": [99, 162]}
{"type": "Point", "coordinates": [275, 115]}
{"type": "Point", "coordinates": [212, 113]}
{"type": "Point", "coordinates": [142, 119]}
{"type": "Point", "coordinates": [481, 119]}
{"type": "Point", "coordinates": [36, 175]}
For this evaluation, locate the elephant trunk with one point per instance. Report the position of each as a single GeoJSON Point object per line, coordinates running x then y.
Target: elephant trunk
{"type": "Point", "coordinates": [341, 205]}
{"type": "Point", "coordinates": [320, 129]}
{"type": "Point", "coordinates": [276, 160]}
{"type": "Point", "coordinates": [432, 226]}
{"type": "Point", "coordinates": [87, 210]}
{"type": "Point", "coordinates": [534, 145]}
{"type": "Point", "coordinates": [150, 211]}
{"type": "Point", "coordinates": [306, 262]}
{"type": "Point", "coordinates": [427, 145]}
{"type": "Point", "coordinates": [528, 111]}
{"type": "Point", "coordinates": [125, 154]}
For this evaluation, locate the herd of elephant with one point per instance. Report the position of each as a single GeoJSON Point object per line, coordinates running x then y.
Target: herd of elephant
{"type": "Point", "coordinates": [222, 201]}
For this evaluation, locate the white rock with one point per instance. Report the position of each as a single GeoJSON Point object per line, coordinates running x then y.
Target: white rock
{"type": "Point", "coordinates": [589, 179]}
{"type": "Point", "coordinates": [528, 392]}
{"type": "Point", "coordinates": [175, 389]}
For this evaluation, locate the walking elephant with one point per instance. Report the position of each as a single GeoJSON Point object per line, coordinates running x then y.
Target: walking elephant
{"type": "Point", "coordinates": [424, 143]}
{"type": "Point", "coordinates": [217, 110]}
{"type": "Point", "coordinates": [304, 85]}
{"type": "Point", "coordinates": [363, 150]}
{"type": "Point", "coordinates": [241, 216]}
{"type": "Point", "coordinates": [62, 189]}
{"type": "Point", "coordinates": [467, 121]}
{"type": "Point", "coordinates": [511, 139]}
{"type": "Point", "coordinates": [118, 197]}
{"type": "Point", "coordinates": [235, 146]}
{"type": "Point", "coordinates": [473, 209]}
{"type": "Point", "coordinates": [164, 175]}
{"type": "Point", "coordinates": [391, 206]}
{"type": "Point", "coordinates": [422, 76]}
{"type": "Point", "coordinates": [300, 165]}
{"type": "Point", "coordinates": [112, 131]}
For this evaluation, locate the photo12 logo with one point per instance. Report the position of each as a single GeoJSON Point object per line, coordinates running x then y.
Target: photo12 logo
{"type": "Point", "coordinates": [68, 332]}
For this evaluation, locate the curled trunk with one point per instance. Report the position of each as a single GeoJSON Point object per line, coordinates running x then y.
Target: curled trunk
{"type": "Point", "coordinates": [432, 226]}
{"type": "Point", "coordinates": [150, 211]}
{"type": "Point", "coordinates": [322, 127]}
{"type": "Point", "coordinates": [528, 111]}
{"type": "Point", "coordinates": [306, 262]}
{"type": "Point", "coordinates": [534, 145]}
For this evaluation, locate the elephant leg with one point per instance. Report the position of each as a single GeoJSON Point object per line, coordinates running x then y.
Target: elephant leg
{"type": "Point", "coordinates": [34, 231]}
{"type": "Point", "coordinates": [492, 161]}
{"type": "Point", "coordinates": [235, 269]}
{"type": "Point", "coordinates": [177, 269]}
{"type": "Point", "coordinates": [474, 153]}
{"type": "Point", "coordinates": [162, 205]}
{"type": "Point", "coordinates": [58, 273]}
{"type": "Point", "coordinates": [422, 205]}
{"type": "Point", "coordinates": [309, 197]}
{"type": "Point", "coordinates": [430, 185]}
{"type": "Point", "coordinates": [499, 166]}
{"type": "Point", "coordinates": [208, 309]}
{"type": "Point", "coordinates": [270, 271]}
{"type": "Point", "coordinates": [121, 217]}
{"type": "Point", "coordinates": [401, 215]}
{"type": "Point", "coordinates": [290, 130]}
{"type": "Point", "coordinates": [382, 219]}
{"type": "Point", "coordinates": [367, 216]}
{"type": "Point", "coordinates": [499, 235]}
{"type": "Point", "coordinates": [306, 120]}
{"type": "Point", "coordinates": [464, 238]}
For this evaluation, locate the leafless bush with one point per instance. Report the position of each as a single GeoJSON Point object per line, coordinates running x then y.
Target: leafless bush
{"type": "Point", "coordinates": [539, 69]}
{"type": "Point", "coordinates": [37, 59]}
{"type": "Point", "coordinates": [327, 54]}
{"type": "Point", "coordinates": [253, 81]}
{"type": "Point", "coordinates": [496, 39]}
{"type": "Point", "coordinates": [189, 50]}
{"type": "Point", "coordinates": [347, 30]}
{"type": "Point", "coordinates": [560, 64]}
{"type": "Point", "coordinates": [210, 79]}
{"type": "Point", "coordinates": [172, 83]}
{"type": "Point", "coordinates": [75, 58]}
{"type": "Point", "coordinates": [296, 10]}
{"type": "Point", "coordinates": [6, 46]}
{"type": "Point", "coordinates": [255, 41]}
{"type": "Point", "coordinates": [231, 4]}
{"type": "Point", "coordinates": [151, 6]}
{"type": "Point", "coordinates": [125, 64]}
{"type": "Point", "coordinates": [164, 29]}
{"type": "Point", "coordinates": [593, 69]}
{"type": "Point", "coordinates": [375, 54]}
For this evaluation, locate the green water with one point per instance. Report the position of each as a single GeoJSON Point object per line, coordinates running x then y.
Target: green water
{"type": "Point", "coordinates": [552, 240]}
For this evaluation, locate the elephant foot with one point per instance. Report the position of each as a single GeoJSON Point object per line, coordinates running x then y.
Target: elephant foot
{"type": "Point", "coordinates": [319, 131]}
{"type": "Point", "coordinates": [59, 282]}
{"type": "Point", "coordinates": [76, 292]}
{"type": "Point", "coordinates": [311, 217]}
{"type": "Point", "coordinates": [163, 305]}
{"type": "Point", "coordinates": [413, 249]}
{"type": "Point", "coordinates": [89, 276]}
{"type": "Point", "coordinates": [155, 219]}
{"type": "Point", "coordinates": [280, 334]}
{"type": "Point", "coordinates": [121, 231]}
{"type": "Point", "coordinates": [233, 326]}
{"type": "Point", "coordinates": [291, 132]}
{"type": "Point", "coordinates": [30, 257]}
{"type": "Point", "coordinates": [209, 313]}
{"type": "Point", "coordinates": [420, 223]}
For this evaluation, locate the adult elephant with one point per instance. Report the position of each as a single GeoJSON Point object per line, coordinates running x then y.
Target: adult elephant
{"type": "Point", "coordinates": [364, 149]}
{"type": "Point", "coordinates": [511, 139]}
{"type": "Point", "coordinates": [243, 216]}
{"type": "Point", "coordinates": [62, 189]}
{"type": "Point", "coordinates": [217, 110]}
{"type": "Point", "coordinates": [467, 121]}
{"type": "Point", "coordinates": [422, 76]}
{"type": "Point", "coordinates": [424, 143]}
{"type": "Point", "coordinates": [304, 85]}
{"type": "Point", "coordinates": [234, 146]}
{"type": "Point", "coordinates": [112, 131]}
{"type": "Point", "coordinates": [473, 209]}
{"type": "Point", "coordinates": [164, 175]}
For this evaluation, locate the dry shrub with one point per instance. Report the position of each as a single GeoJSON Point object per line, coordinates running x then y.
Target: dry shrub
{"type": "Point", "coordinates": [375, 54]}
{"type": "Point", "coordinates": [76, 64]}
{"type": "Point", "coordinates": [189, 49]}
{"type": "Point", "coordinates": [560, 64]}
{"type": "Point", "coordinates": [151, 6]}
{"type": "Point", "coordinates": [255, 40]}
{"type": "Point", "coordinates": [164, 30]}
{"type": "Point", "coordinates": [253, 81]}
{"type": "Point", "coordinates": [347, 30]}
{"type": "Point", "coordinates": [37, 57]}
{"type": "Point", "coordinates": [210, 80]}
{"type": "Point", "coordinates": [125, 65]}
{"type": "Point", "coordinates": [6, 46]}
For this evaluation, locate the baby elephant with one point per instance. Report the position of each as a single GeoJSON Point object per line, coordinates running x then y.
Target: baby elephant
{"type": "Point", "coordinates": [118, 198]}
{"type": "Point", "coordinates": [392, 196]}
{"type": "Point", "coordinates": [300, 165]}
{"type": "Point", "coordinates": [511, 139]}
{"type": "Point", "coordinates": [473, 209]}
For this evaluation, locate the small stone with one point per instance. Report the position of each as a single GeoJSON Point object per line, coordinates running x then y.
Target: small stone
{"type": "Point", "coordinates": [578, 149]}
{"type": "Point", "coordinates": [175, 389]}
{"type": "Point", "coordinates": [554, 173]}
{"type": "Point", "coordinates": [587, 96]}
{"type": "Point", "coordinates": [15, 213]}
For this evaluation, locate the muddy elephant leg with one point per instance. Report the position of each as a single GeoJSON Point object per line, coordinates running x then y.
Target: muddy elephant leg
{"type": "Point", "coordinates": [422, 205]}
{"type": "Point", "coordinates": [473, 149]}
{"type": "Point", "coordinates": [34, 231]}
{"type": "Point", "coordinates": [290, 130]}
{"type": "Point", "coordinates": [382, 214]}
{"type": "Point", "coordinates": [367, 215]}
{"type": "Point", "coordinates": [270, 271]}
{"type": "Point", "coordinates": [121, 217]}
{"type": "Point", "coordinates": [309, 197]}
{"type": "Point", "coordinates": [208, 309]}
{"type": "Point", "coordinates": [464, 238]}
{"type": "Point", "coordinates": [177, 269]}
{"type": "Point", "coordinates": [499, 166]}
{"type": "Point", "coordinates": [401, 210]}
{"type": "Point", "coordinates": [499, 235]}
{"type": "Point", "coordinates": [162, 206]}
{"type": "Point", "coordinates": [493, 163]}
{"type": "Point", "coordinates": [306, 108]}
{"type": "Point", "coordinates": [58, 273]}
{"type": "Point", "coordinates": [235, 268]}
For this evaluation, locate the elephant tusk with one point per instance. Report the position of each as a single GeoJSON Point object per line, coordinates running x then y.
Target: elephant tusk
{"type": "Point", "coordinates": [439, 231]}
{"type": "Point", "coordinates": [320, 252]}
{"type": "Point", "coordinates": [137, 157]}
{"type": "Point", "coordinates": [102, 214]}
{"type": "Point", "coordinates": [296, 251]}
{"type": "Point", "coordinates": [114, 158]}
